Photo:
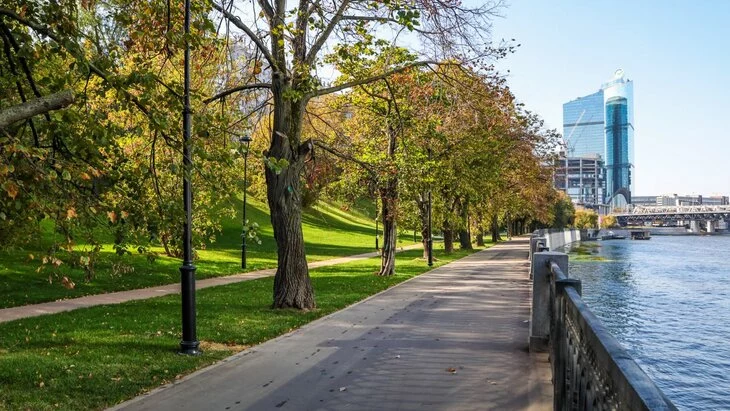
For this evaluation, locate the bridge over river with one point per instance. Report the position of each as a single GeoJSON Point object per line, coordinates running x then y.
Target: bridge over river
{"type": "Point", "coordinates": [694, 215]}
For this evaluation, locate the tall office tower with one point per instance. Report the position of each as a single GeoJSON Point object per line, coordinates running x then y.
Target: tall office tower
{"type": "Point", "coordinates": [584, 128]}
{"type": "Point", "coordinates": [602, 124]}
{"type": "Point", "coordinates": [618, 95]}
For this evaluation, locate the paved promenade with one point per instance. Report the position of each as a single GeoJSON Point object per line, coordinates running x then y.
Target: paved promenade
{"type": "Point", "coordinates": [34, 310]}
{"type": "Point", "coordinates": [454, 338]}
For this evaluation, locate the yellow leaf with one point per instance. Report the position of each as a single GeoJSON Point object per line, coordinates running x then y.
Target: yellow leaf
{"type": "Point", "coordinates": [112, 216]}
{"type": "Point", "coordinates": [85, 176]}
{"type": "Point", "coordinates": [71, 213]}
{"type": "Point", "coordinates": [11, 189]}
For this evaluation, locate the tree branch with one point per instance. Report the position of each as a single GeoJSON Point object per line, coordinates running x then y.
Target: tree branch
{"type": "Point", "coordinates": [384, 20]}
{"type": "Point", "coordinates": [368, 167]}
{"type": "Point", "coordinates": [319, 43]}
{"type": "Point", "coordinates": [34, 107]}
{"type": "Point", "coordinates": [230, 91]}
{"type": "Point", "coordinates": [256, 39]}
{"type": "Point", "coordinates": [23, 63]}
{"type": "Point", "coordinates": [92, 68]}
{"type": "Point", "coordinates": [334, 89]}
{"type": "Point", "coordinates": [268, 9]}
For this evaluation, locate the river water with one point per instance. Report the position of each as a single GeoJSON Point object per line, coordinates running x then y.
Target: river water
{"type": "Point", "coordinates": [667, 300]}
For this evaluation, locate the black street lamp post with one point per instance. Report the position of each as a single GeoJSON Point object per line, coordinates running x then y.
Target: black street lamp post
{"type": "Point", "coordinates": [189, 344]}
{"type": "Point", "coordinates": [246, 141]}
{"type": "Point", "coordinates": [429, 240]}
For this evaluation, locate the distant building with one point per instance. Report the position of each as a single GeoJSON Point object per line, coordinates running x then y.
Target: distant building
{"type": "Point", "coordinates": [583, 179]}
{"type": "Point", "coordinates": [602, 124]}
{"type": "Point", "coordinates": [677, 200]}
{"type": "Point", "coordinates": [716, 200]}
{"type": "Point", "coordinates": [644, 200]}
{"type": "Point", "coordinates": [584, 128]}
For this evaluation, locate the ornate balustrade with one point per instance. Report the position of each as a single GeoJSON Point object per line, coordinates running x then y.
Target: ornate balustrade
{"type": "Point", "coordinates": [591, 370]}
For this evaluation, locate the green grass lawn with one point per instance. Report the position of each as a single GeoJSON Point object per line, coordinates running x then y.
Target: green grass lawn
{"type": "Point", "coordinates": [328, 232]}
{"type": "Point", "coordinates": [97, 357]}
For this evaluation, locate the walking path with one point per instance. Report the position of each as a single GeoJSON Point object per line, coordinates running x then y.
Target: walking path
{"type": "Point", "coordinates": [454, 338]}
{"type": "Point", "coordinates": [34, 310]}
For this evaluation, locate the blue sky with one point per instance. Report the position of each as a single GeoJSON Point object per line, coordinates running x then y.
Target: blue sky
{"type": "Point", "coordinates": [677, 54]}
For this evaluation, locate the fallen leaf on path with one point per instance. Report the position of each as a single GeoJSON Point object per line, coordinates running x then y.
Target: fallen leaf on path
{"type": "Point", "coordinates": [343, 389]}
{"type": "Point", "coordinates": [451, 370]}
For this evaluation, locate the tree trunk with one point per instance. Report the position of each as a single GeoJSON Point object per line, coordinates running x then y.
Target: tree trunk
{"type": "Point", "coordinates": [495, 229]}
{"type": "Point", "coordinates": [166, 245]}
{"type": "Point", "coordinates": [390, 233]}
{"type": "Point", "coordinates": [510, 227]}
{"type": "Point", "coordinates": [389, 201]}
{"type": "Point", "coordinates": [448, 237]}
{"type": "Point", "coordinates": [292, 285]}
{"type": "Point", "coordinates": [464, 233]}
{"type": "Point", "coordinates": [480, 236]}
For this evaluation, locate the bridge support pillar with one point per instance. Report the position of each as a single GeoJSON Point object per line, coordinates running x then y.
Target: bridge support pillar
{"type": "Point", "coordinates": [710, 227]}
{"type": "Point", "coordinates": [694, 226]}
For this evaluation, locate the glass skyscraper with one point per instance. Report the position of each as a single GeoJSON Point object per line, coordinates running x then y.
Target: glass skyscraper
{"type": "Point", "coordinates": [602, 124]}
{"type": "Point", "coordinates": [584, 127]}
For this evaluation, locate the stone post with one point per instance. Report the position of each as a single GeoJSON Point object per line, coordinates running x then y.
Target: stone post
{"type": "Point", "coordinates": [541, 304]}
{"type": "Point", "coordinates": [537, 244]}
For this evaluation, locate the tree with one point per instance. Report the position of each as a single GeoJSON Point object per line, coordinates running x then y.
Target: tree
{"type": "Point", "coordinates": [373, 139]}
{"type": "Point", "coordinates": [111, 162]}
{"type": "Point", "coordinates": [299, 37]}
{"type": "Point", "coordinates": [585, 219]}
{"type": "Point", "coordinates": [609, 221]}
{"type": "Point", "coordinates": [564, 211]}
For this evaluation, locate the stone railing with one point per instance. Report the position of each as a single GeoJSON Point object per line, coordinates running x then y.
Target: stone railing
{"type": "Point", "coordinates": [591, 370]}
{"type": "Point", "coordinates": [557, 238]}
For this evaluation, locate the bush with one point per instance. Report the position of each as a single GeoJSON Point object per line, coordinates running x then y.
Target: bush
{"type": "Point", "coordinates": [609, 221]}
{"type": "Point", "coordinates": [585, 219]}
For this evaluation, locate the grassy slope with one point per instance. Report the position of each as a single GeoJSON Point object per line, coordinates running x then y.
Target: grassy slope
{"type": "Point", "coordinates": [93, 358]}
{"type": "Point", "coordinates": [328, 233]}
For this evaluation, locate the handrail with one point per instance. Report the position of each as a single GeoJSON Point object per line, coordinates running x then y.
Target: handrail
{"type": "Point", "coordinates": [632, 388]}
{"type": "Point", "coordinates": [591, 370]}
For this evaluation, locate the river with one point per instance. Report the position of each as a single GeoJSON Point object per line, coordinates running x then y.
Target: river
{"type": "Point", "coordinates": [667, 300]}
